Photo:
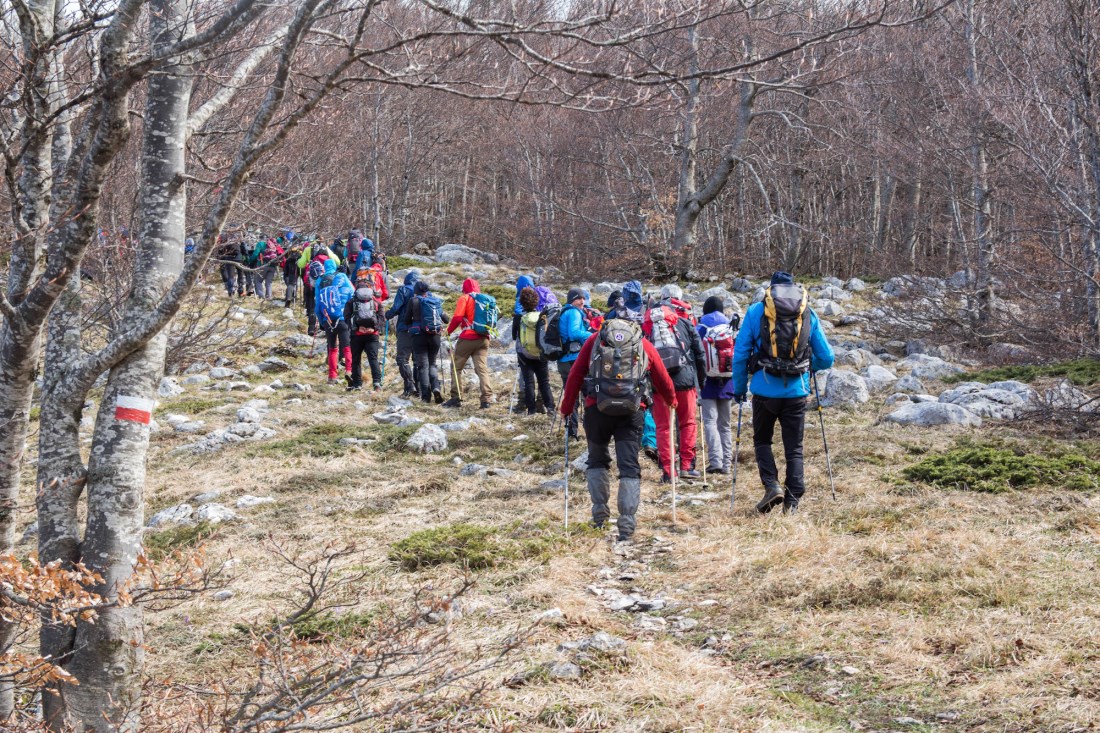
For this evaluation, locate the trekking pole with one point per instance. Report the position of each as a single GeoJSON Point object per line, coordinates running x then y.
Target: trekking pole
{"type": "Point", "coordinates": [736, 452]}
{"type": "Point", "coordinates": [672, 473]}
{"type": "Point", "coordinates": [699, 410]}
{"type": "Point", "coordinates": [567, 481]}
{"type": "Point", "coordinates": [515, 388]}
{"type": "Point", "coordinates": [454, 372]}
{"type": "Point", "coordinates": [824, 440]}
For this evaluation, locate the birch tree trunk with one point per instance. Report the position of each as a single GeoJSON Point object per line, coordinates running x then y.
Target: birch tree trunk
{"type": "Point", "coordinates": [108, 655]}
{"type": "Point", "coordinates": [980, 192]}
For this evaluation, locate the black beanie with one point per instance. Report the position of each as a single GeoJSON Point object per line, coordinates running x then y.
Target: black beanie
{"type": "Point", "coordinates": [713, 304]}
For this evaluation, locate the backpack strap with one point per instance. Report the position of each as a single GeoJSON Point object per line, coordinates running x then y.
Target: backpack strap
{"type": "Point", "coordinates": [799, 323]}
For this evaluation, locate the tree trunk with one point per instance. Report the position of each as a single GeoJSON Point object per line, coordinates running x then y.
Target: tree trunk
{"type": "Point", "coordinates": [108, 656]}
{"type": "Point", "coordinates": [981, 199]}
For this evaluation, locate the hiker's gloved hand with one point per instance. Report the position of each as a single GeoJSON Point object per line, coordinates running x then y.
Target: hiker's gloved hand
{"type": "Point", "coordinates": [740, 398]}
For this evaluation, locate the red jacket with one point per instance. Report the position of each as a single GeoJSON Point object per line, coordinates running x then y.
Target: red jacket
{"type": "Point", "coordinates": [658, 376]}
{"type": "Point", "coordinates": [464, 312]}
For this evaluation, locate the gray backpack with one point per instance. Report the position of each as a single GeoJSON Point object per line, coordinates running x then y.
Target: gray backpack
{"type": "Point", "coordinates": [618, 372]}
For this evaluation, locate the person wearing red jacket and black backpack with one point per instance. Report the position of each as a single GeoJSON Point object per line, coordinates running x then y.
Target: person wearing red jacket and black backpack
{"type": "Point", "coordinates": [623, 370]}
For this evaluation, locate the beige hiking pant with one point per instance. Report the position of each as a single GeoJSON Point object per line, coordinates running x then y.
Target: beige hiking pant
{"type": "Point", "coordinates": [478, 350]}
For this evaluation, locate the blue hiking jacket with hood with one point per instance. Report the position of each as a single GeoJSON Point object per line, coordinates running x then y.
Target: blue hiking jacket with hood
{"type": "Point", "coordinates": [366, 255]}
{"type": "Point", "coordinates": [523, 281]}
{"type": "Point", "coordinates": [632, 296]}
{"type": "Point", "coordinates": [328, 303]}
{"type": "Point", "coordinates": [767, 385]}
{"type": "Point", "coordinates": [404, 295]}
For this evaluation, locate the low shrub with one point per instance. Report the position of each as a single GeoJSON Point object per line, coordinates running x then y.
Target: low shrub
{"type": "Point", "coordinates": [469, 545]}
{"type": "Point", "coordinates": [159, 545]}
{"type": "Point", "coordinates": [1003, 467]}
{"type": "Point", "coordinates": [1081, 372]}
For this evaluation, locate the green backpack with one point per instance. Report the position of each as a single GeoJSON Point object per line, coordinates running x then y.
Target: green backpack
{"type": "Point", "coordinates": [528, 335]}
{"type": "Point", "coordinates": [618, 372]}
{"type": "Point", "coordinates": [486, 314]}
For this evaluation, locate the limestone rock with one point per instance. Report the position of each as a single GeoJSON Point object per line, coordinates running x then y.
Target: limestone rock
{"type": "Point", "coordinates": [179, 514]}
{"type": "Point", "coordinates": [932, 414]}
{"type": "Point", "coordinates": [844, 389]}
{"type": "Point", "coordinates": [428, 438]}
{"type": "Point", "coordinates": [215, 514]}
{"type": "Point", "coordinates": [169, 387]}
{"type": "Point", "coordinates": [877, 378]}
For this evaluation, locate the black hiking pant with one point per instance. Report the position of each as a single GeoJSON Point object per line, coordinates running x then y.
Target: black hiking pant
{"type": "Point", "coordinates": [230, 279]}
{"type": "Point", "coordinates": [425, 348]}
{"type": "Point", "coordinates": [790, 412]}
{"type": "Point", "coordinates": [311, 313]}
{"type": "Point", "coordinates": [404, 360]}
{"type": "Point", "coordinates": [365, 343]}
{"type": "Point", "coordinates": [532, 371]}
{"type": "Point", "coordinates": [599, 429]}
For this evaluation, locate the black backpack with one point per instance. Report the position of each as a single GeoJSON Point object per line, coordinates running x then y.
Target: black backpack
{"type": "Point", "coordinates": [364, 313]}
{"type": "Point", "coordinates": [618, 372]}
{"type": "Point", "coordinates": [784, 346]}
{"type": "Point", "coordinates": [548, 333]}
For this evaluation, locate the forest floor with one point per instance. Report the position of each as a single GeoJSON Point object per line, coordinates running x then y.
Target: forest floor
{"type": "Point", "coordinates": [899, 606]}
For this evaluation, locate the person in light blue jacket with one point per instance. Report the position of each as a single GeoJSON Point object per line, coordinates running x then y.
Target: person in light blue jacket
{"type": "Point", "coordinates": [779, 391]}
{"type": "Point", "coordinates": [574, 332]}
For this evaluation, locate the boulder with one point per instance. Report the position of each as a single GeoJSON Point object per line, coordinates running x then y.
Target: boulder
{"type": "Point", "coordinates": [828, 308]}
{"type": "Point", "coordinates": [274, 364]}
{"type": "Point", "coordinates": [741, 285]}
{"type": "Point", "coordinates": [1067, 397]}
{"type": "Point", "coordinates": [179, 514]}
{"type": "Point", "coordinates": [222, 373]}
{"type": "Point", "coordinates": [460, 254]}
{"type": "Point", "coordinates": [878, 379]}
{"type": "Point", "coordinates": [248, 414]}
{"type": "Point", "coordinates": [830, 281]}
{"type": "Point", "coordinates": [856, 285]}
{"type": "Point", "coordinates": [215, 514]}
{"type": "Point", "coordinates": [248, 501]}
{"type": "Point", "coordinates": [932, 414]}
{"type": "Point", "coordinates": [503, 362]}
{"type": "Point", "coordinates": [835, 292]}
{"type": "Point", "coordinates": [196, 379]}
{"type": "Point", "coordinates": [428, 439]}
{"type": "Point", "coordinates": [169, 387]}
{"type": "Point", "coordinates": [604, 288]}
{"type": "Point", "coordinates": [844, 389]}
{"type": "Point", "coordinates": [1009, 354]}
{"type": "Point", "coordinates": [923, 366]}
{"type": "Point", "coordinates": [910, 384]}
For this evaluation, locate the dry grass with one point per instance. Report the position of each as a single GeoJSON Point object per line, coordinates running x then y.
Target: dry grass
{"type": "Point", "coordinates": [982, 607]}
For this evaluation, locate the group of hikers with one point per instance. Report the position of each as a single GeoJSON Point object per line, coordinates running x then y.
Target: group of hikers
{"type": "Point", "coordinates": [648, 372]}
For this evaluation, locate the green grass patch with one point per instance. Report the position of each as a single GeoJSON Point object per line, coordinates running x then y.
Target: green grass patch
{"type": "Point", "coordinates": [159, 545]}
{"type": "Point", "coordinates": [326, 626]}
{"type": "Point", "coordinates": [474, 546]}
{"type": "Point", "coordinates": [1081, 372]}
{"type": "Point", "coordinates": [999, 467]}
{"type": "Point", "coordinates": [193, 405]}
{"type": "Point", "coordinates": [319, 441]}
{"type": "Point", "coordinates": [397, 262]}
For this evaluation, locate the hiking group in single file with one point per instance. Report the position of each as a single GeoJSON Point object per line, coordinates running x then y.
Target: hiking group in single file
{"type": "Point", "coordinates": [642, 372]}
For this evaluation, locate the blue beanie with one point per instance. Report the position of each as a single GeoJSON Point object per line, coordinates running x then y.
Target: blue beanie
{"type": "Point", "coordinates": [782, 278]}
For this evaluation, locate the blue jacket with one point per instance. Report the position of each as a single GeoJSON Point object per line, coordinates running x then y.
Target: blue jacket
{"type": "Point", "coordinates": [341, 292]}
{"type": "Point", "coordinates": [366, 255]}
{"type": "Point", "coordinates": [404, 295]}
{"type": "Point", "coordinates": [523, 281]}
{"type": "Point", "coordinates": [765, 385]}
{"type": "Point", "coordinates": [632, 296]}
{"type": "Point", "coordinates": [574, 330]}
{"type": "Point", "coordinates": [715, 388]}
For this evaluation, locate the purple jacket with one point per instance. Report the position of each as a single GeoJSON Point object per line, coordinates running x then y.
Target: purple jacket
{"type": "Point", "coordinates": [715, 388]}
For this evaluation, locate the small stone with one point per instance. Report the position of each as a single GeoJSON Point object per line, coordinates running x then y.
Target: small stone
{"type": "Point", "coordinates": [215, 514]}
{"type": "Point", "coordinates": [206, 497]}
{"type": "Point", "coordinates": [850, 670]}
{"type": "Point", "coordinates": [947, 717]}
{"type": "Point", "coordinates": [565, 671]}
{"type": "Point", "coordinates": [196, 379]}
{"type": "Point", "coordinates": [169, 387]}
{"type": "Point", "coordinates": [274, 364]}
{"type": "Point", "coordinates": [248, 500]}
{"type": "Point", "coordinates": [399, 403]}
{"type": "Point", "coordinates": [179, 514]}
{"type": "Point", "coordinates": [301, 388]}
{"type": "Point", "coordinates": [222, 373]}
{"type": "Point", "coordinates": [553, 615]}
{"type": "Point", "coordinates": [428, 439]}
{"type": "Point", "coordinates": [519, 438]}
{"type": "Point", "coordinates": [248, 414]}
{"type": "Point", "coordinates": [906, 720]}
{"type": "Point", "coordinates": [624, 603]}
{"type": "Point", "coordinates": [223, 595]}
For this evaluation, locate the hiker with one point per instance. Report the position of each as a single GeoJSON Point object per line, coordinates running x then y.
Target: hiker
{"type": "Point", "coordinates": [523, 281]}
{"type": "Point", "coordinates": [475, 314]}
{"type": "Point", "coordinates": [246, 247]}
{"type": "Point", "coordinates": [532, 366]}
{"type": "Point", "coordinates": [424, 319]}
{"type": "Point", "coordinates": [314, 252]}
{"type": "Point", "coordinates": [715, 398]}
{"type": "Point", "coordinates": [404, 338]}
{"type": "Point", "coordinates": [339, 251]}
{"type": "Point", "coordinates": [265, 258]}
{"type": "Point", "coordinates": [363, 313]}
{"type": "Point", "coordinates": [333, 291]}
{"type": "Point", "coordinates": [670, 326]}
{"type": "Point", "coordinates": [291, 272]}
{"type": "Point", "coordinates": [574, 333]}
{"type": "Point", "coordinates": [780, 381]}
{"type": "Point", "coordinates": [366, 256]}
{"type": "Point", "coordinates": [355, 242]}
{"type": "Point", "coordinates": [620, 366]}
{"type": "Point", "coordinates": [228, 255]}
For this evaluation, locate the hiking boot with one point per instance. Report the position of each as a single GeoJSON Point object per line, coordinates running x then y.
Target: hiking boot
{"type": "Point", "coordinates": [773, 496]}
{"type": "Point", "coordinates": [486, 405]}
{"type": "Point", "coordinates": [453, 402]}
{"type": "Point", "coordinates": [437, 397]}
{"type": "Point", "coordinates": [651, 454]}
{"type": "Point", "coordinates": [665, 478]}
{"type": "Point", "coordinates": [333, 381]}
{"type": "Point", "coordinates": [690, 475]}
{"type": "Point", "coordinates": [406, 394]}
{"type": "Point", "coordinates": [790, 508]}
{"type": "Point", "coordinates": [355, 388]}
{"type": "Point", "coordinates": [624, 538]}
{"type": "Point", "coordinates": [717, 469]}
{"type": "Point", "coordinates": [347, 378]}
{"type": "Point", "coordinates": [311, 332]}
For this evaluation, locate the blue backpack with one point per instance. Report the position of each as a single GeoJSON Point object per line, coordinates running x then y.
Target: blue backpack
{"type": "Point", "coordinates": [486, 314]}
{"type": "Point", "coordinates": [426, 315]}
{"type": "Point", "coordinates": [332, 303]}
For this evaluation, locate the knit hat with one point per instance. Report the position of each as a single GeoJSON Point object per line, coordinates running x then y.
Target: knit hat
{"type": "Point", "coordinates": [615, 299]}
{"type": "Point", "coordinates": [574, 293]}
{"type": "Point", "coordinates": [420, 287]}
{"type": "Point", "coordinates": [782, 278]}
{"type": "Point", "coordinates": [713, 304]}
{"type": "Point", "coordinates": [671, 291]}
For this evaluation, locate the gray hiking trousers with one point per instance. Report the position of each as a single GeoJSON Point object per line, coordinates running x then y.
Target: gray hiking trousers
{"type": "Point", "coordinates": [717, 433]}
